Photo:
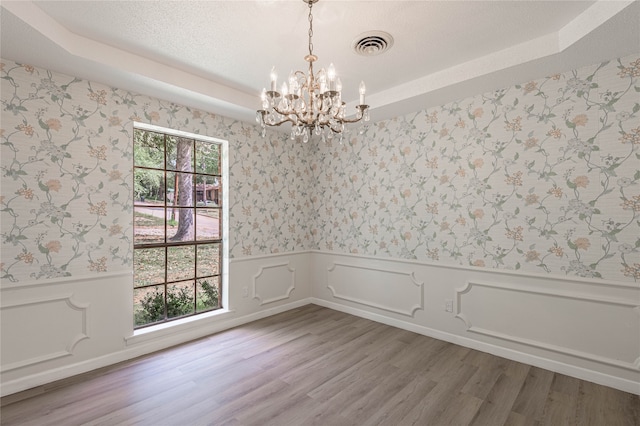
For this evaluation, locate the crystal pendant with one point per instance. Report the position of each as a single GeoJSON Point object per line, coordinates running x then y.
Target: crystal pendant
{"type": "Point", "coordinates": [305, 137]}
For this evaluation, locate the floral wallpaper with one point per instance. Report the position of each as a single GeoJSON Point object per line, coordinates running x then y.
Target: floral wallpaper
{"type": "Point", "coordinates": [542, 177]}
{"type": "Point", "coordinates": [66, 195]}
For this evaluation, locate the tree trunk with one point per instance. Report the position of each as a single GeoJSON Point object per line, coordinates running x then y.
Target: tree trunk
{"type": "Point", "coordinates": [184, 188]}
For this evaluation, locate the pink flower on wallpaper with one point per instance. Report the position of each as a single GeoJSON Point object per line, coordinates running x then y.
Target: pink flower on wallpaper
{"type": "Point", "coordinates": [53, 246]}
{"type": "Point", "coordinates": [54, 124]}
{"type": "Point", "coordinates": [53, 185]}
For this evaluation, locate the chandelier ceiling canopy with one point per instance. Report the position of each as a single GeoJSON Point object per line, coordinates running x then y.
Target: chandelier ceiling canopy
{"type": "Point", "coordinates": [312, 103]}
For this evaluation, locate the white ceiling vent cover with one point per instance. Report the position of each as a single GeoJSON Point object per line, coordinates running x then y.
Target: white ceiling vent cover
{"type": "Point", "coordinates": [372, 43]}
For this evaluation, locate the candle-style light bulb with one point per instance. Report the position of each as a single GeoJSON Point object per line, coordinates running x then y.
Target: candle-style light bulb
{"type": "Point", "coordinates": [362, 91]}
{"type": "Point", "coordinates": [331, 74]}
{"type": "Point", "coordinates": [274, 79]}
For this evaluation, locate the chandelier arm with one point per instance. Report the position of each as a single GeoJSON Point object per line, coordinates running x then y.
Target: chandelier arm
{"type": "Point", "coordinates": [350, 120]}
{"type": "Point", "coordinates": [278, 123]}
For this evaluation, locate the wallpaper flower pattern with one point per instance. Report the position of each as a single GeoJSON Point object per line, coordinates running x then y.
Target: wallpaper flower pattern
{"type": "Point", "coordinates": [66, 196]}
{"type": "Point", "coordinates": [542, 177]}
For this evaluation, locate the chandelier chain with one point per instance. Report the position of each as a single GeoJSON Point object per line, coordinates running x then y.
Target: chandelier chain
{"type": "Point", "coordinates": [310, 29]}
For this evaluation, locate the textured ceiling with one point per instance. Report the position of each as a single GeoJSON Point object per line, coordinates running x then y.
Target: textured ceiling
{"type": "Point", "coordinates": [217, 55]}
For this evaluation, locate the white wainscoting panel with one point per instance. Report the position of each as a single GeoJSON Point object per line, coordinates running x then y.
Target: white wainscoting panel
{"type": "Point", "coordinates": [387, 289]}
{"type": "Point", "coordinates": [274, 282]}
{"type": "Point", "coordinates": [27, 342]}
{"type": "Point", "coordinates": [569, 323]}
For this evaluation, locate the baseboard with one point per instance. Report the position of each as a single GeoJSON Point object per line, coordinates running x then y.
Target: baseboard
{"type": "Point", "coordinates": [143, 348]}
{"type": "Point", "coordinates": [546, 363]}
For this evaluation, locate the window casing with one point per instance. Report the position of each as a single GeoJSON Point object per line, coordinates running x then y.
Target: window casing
{"type": "Point", "coordinates": [178, 226]}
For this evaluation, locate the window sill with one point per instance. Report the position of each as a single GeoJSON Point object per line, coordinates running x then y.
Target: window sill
{"type": "Point", "coordinates": [174, 327]}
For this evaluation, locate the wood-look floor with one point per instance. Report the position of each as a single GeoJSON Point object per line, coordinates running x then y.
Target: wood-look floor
{"type": "Point", "coordinates": [316, 366]}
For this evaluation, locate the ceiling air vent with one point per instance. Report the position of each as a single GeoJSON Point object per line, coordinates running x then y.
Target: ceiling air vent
{"type": "Point", "coordinates": [372, 43]}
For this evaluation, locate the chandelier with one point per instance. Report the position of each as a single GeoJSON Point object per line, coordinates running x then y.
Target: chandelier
{"type": "Point", "coordinates": [312, 103]}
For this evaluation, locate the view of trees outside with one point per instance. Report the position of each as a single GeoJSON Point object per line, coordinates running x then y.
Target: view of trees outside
{"type": "Point", "coordinates": [177, 241]}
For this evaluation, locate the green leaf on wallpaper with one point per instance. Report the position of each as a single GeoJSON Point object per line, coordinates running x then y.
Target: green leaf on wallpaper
{"type": "Point", "coordinates": [571, 184]}
{"type": "Point", "coordinates": [638, 243]}
{"type": "Point", "coordinates": [637, 175]}
{"type": "Point", "coordinates": [571, 245]}
{"type": "Point", "coordinates": [103, 115]}
{"type": "Point", "coordinates": [569, 124]}
{"type": "Point", "coordinates": [637, 88]}
{"type": "Point", "coordinates": [517, 266]}
{"type": "Point", "coordinates": [636, 108]}
{"type": "Point", "coordinates": [43, 187]}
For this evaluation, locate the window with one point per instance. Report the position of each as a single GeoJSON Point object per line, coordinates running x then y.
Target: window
{"type": "Point", "coordinates": [178, 244]}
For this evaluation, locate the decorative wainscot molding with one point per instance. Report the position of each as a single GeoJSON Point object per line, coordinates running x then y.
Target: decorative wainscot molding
{"type": "Point", "coordinates": [393, 291]}
{"type": "Point", "coordinates": [49, 328]}
{"type": "Point", "coordinates": [603, 330]}
{"type": "Point", "coordinates": [274, 282]}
